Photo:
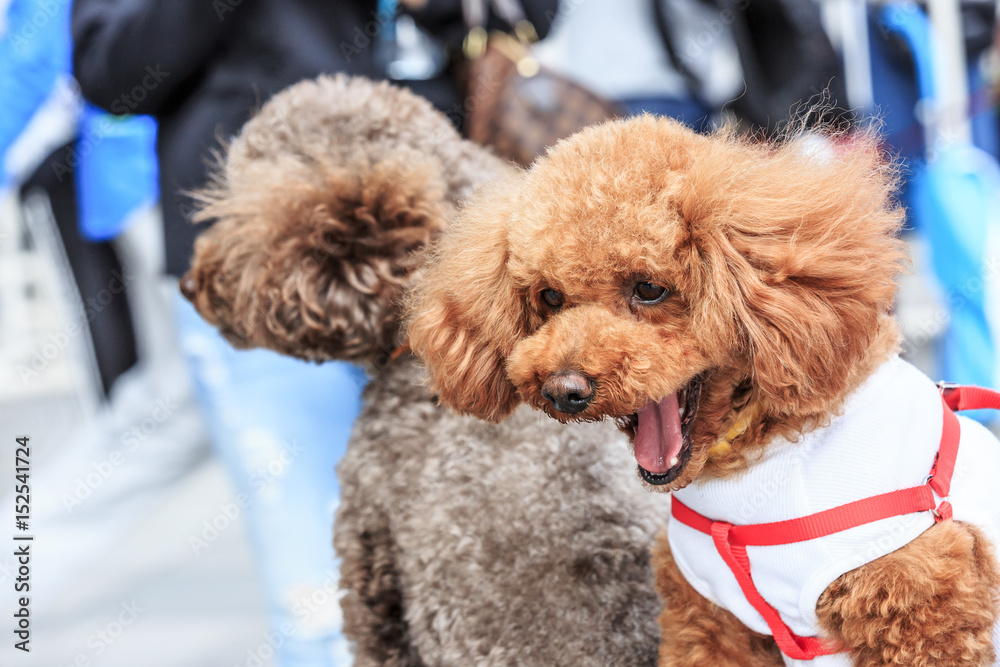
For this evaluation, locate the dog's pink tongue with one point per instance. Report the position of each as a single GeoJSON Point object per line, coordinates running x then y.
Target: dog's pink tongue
{"type": "Point", "coordinates": [658, 438]}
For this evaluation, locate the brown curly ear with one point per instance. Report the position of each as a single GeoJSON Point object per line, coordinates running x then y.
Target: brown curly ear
{"type": "Point", "coordinates": [804, 254]}
{"type": "Point", "coordinates": [466, 314]}
{"type": "Point", "coordinates": [310, 258]}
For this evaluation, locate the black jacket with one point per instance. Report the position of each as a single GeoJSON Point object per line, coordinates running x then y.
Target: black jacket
{"type": "Point", "coordinates": [202, 67]}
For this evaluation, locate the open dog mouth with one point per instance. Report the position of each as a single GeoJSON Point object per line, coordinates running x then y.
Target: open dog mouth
{"type": "Point", "coordinates": [661, 434]}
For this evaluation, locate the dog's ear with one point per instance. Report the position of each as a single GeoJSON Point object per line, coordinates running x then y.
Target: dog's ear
{"type": "Point", "coordinates": [801, 251]}
{"type": "Point", "coordinates": [467, 314]}
{"type": "Point", "coordinates": [310, 258]}
{"type": "Point", "coordinates": [323, 205]}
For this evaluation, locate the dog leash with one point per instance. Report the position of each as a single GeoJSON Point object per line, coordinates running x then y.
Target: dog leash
{"type": "Point", "coordinates": [731, 540]}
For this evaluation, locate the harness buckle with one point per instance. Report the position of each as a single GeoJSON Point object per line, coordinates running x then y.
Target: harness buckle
{"type": "Point", "coordinates": [947, 387]}
{"type": "Point", "coordinates": [943, 512]}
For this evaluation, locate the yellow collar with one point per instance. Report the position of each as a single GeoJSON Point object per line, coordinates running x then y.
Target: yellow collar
{"type": "Point", "coordinates": [741, 425]}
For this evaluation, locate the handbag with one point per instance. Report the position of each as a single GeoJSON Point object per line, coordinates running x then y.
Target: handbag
{"type": "Point", "coordinates": [513, 104]}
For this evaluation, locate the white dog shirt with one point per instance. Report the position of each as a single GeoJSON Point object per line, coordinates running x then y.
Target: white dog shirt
{"type": "Point", "coordinates": [886, 439]}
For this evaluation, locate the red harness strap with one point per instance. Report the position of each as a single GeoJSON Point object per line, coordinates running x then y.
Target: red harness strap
{"type": "Point", "coordinates": [731, 541]}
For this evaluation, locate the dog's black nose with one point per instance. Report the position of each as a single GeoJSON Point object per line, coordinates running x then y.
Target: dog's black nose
{"type": "Point", "coordinates": [568, 392]}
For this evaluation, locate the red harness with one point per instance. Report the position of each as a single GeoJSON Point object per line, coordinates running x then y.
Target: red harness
{"type": "Point", "coordinates": [731, 541]}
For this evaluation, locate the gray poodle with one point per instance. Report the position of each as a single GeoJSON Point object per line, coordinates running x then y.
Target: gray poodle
{"type": "Point", "coordinates": [462, 542]}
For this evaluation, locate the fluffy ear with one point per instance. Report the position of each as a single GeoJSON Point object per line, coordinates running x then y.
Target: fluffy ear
{"type": "Point", "coordinates": [323, 206]}
{"type": "Point", "coordinates": [467, 314]}
{"type": "Point", "coordinates": [310, 258]}
{"type": "Point", "coordinates": [801, 255]}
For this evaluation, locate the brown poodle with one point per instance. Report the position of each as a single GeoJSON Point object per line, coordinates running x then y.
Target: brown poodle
{"type": "Point", "coordinates": [462, 543]}
{"type": "Point", "coordinates": [728, 303]}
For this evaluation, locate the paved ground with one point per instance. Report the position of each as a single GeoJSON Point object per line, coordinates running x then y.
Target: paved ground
{"type": "Point", "coordinates": [115, 582]}
{"type": "Point", "coordinates": [148, 601]}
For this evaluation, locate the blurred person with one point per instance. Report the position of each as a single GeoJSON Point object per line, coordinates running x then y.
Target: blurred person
{"type": "Point", "coordinates": [280, 425]}
{"type": "Point", "coordinates": [35, 55]}
{"type": "Point", "coordinates": [101, 176]}
{"type": "Point", "coordinates": [693, 60]}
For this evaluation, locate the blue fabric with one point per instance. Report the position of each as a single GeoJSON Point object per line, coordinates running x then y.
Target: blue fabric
{"type": "Point", "coordinates": [687, 110]}
{"type": "Point", "coordinates": [34, 53]}
{"type": "Point", "coordinates": [958, 198]}
{"type": "Point", "coordinates": [895, 92]}
{"type": "Point", "coordinates": [985, 119]}
{"type": "Point", "coordinates": [280, 426]}
{"type": "Point", "coordinates": [908, 21]}
{"type": "Point", "coordinates": [114, 161]}
{"type": "Point", "coordinates": [953, 197]}
{"type": "Point", "coordinates": [117, 172]}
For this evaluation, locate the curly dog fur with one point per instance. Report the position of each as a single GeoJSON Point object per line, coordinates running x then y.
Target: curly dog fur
{"type": "Point", "coordinates": [462, 543]}
{"type": "Point", "coordinates": [770, 275]}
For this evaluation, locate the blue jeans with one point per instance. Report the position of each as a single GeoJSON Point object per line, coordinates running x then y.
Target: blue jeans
{"type": "Point", "coordinates": [280, 426]}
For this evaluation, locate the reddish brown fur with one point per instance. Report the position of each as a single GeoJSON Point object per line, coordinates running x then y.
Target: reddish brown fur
{"type": "Point", "coordinates": [697, 633]}
{"type": "Point", "coordinates": [932, 603]}
{"type": "Point", "coordinates": [457, 332]}
{"type": "Point", "coordinates": [781, 265]}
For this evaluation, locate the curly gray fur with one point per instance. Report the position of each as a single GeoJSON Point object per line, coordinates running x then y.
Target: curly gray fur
{"type": "Point", "coordinates": [462, 543]}
{"type": "Point", "coordinates": [468, 543]}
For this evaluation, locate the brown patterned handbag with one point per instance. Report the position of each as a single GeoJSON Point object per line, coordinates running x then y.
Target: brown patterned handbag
{"type": "Point", "coordinates": [513, 104]}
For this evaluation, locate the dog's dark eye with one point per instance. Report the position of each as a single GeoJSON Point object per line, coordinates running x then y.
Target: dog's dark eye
{"type": "Point", "coordinates": [552, 298]}
{"type": "Point", "coordinates": [648, 292]}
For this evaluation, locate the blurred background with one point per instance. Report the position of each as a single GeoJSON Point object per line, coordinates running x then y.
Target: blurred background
{"type": "Point", "coordinates": [175, 484]}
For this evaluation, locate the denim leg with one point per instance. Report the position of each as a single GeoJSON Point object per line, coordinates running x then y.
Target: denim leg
{"type": "Point", "coordinates": [280, 426]}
